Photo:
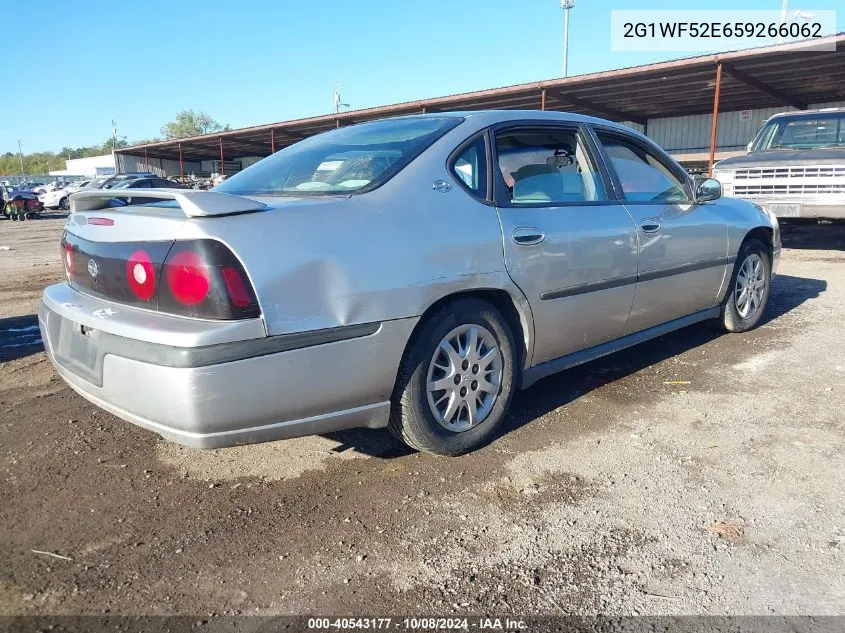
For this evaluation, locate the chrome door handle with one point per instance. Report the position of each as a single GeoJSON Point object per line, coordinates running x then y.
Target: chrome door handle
{"type": "Point", "coordinates": [650, 225]}
{"type": "Point", "coordinates": [527, 235]}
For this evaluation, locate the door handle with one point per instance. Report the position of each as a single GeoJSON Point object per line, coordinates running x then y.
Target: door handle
{"type": "Point", "coordinates": [527, 235]}
{"type": "Point", "coordinates": [650, 225]}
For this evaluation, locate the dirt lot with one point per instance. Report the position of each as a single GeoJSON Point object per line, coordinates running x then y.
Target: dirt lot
{"type": "Point", "coordinates": [695, 474]}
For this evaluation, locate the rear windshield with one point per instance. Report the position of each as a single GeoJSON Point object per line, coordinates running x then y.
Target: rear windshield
{"type": "Point", "coordinates": [823, 129]}
{"type": "Point", "coordinates": [347, 160]}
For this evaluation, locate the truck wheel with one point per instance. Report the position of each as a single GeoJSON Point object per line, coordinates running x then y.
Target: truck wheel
{"type": "Point", "coordinates": [456, 379]}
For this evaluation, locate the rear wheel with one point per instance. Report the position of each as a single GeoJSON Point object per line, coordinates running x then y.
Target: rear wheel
{"type": "Point", "coordinates": [64, 205]}
{"type": "Point", "coordinates": [456, 380]}
{"type": "Point", "coordinates": [748, 292]}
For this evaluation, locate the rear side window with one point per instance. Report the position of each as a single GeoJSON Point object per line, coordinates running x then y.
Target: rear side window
{"type": "Point", "coordinates": [642, 175]}
{"type": "Point", "coordinates": [547, 166]}
{"type": "Point", "coordinates": [470, 167]}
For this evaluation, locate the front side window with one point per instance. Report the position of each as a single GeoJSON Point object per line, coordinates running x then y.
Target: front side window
{"type": "Point", "coordinates": [546, 166]}
{"type": "Point", "coordinates": [642, 175]}
{"type": "Point", "coordinates": [470, 167]}
{"type": "Point", "coordinates": [347, 160]}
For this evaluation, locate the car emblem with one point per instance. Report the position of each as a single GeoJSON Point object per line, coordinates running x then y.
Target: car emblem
{"type": "Point", "coordinates": [93, 268]}
{"type": "Point", "coordinates": [441, 185]}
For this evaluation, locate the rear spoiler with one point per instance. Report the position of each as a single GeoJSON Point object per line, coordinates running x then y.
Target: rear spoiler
{"type": "Point", "coordinates": [194, 203]}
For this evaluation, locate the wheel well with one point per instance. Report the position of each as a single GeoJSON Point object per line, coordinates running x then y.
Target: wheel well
{"type": "Point", "coordinates": [503, 302]}
{"type": "Point", "coordinates": [764, 234]}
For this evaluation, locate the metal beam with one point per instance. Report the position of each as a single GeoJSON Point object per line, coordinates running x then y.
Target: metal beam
{"type": "Point", "coordinates": [715, 123]}
{"type": "Point", "coordinates": [542, 98]}
{"type": "Point", "coordinates": [247, 143]}
{"type": "Point", "coordinates": [181, 164]}
{"type": "Point", "coordinates": [764, 87]}
{"type": "Point", "coordinates": [272, 141]}
{"type": "Point", "coordinates": [611, 113]}
{"type": "Point", "coordinates": [222, 160]}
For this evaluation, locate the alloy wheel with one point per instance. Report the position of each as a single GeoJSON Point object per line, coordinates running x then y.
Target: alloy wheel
{"type": "Point", "coordinates": [750, 286]}
{"type": "Point", "coordinates": [464, 378]}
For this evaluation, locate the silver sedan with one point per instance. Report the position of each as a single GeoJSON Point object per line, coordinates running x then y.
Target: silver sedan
{"type": "Point", "coordinates": [409, 273]}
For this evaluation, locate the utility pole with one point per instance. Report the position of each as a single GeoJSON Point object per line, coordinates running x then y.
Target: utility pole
{"type": "Point", "coordinates": [113, 135]}
{"type": "Point", "coordinates": [337, 102]}
{"type": "Point", "coordinates": [566, 5]}
{"type": "Point", "coordinates": [784, 10]}
{"type": "Point", "coordinates": [20, 153]}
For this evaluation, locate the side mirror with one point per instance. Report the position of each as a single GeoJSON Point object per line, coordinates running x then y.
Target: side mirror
{"type": "Point", "coordinates": [707, 189]}
{"type": "Point", "coordinates": [749, 146]}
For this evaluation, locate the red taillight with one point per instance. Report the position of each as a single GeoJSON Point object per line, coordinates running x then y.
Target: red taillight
{"type": "Point", "coordinates": [67, 256]}
{"type": "Point", "coordinates": [187, 277]}
{"type": "Point", "coordinates": [100, 221]}
{"type": "Point", "coordinates": [140, 275]}
{"type": "Point", "coordinates": [238, 293]}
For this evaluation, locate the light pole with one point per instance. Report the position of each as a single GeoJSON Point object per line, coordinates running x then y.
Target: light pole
{"type": "Point", "coordinates": [20, 154]}
{"type": "Point", "coordinates": [785, 19]}
{"type": "Point", "coordinates": [566, 5]}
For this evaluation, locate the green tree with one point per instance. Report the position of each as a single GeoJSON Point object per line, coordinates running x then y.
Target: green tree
{"type": "Point", "coordinates": [190, 123]}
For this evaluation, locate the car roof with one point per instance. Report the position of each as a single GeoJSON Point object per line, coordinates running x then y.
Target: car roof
{"type": "Point", "coordinates": [491, 117]}
{"type": "Point", "coordinates": [800, 113]}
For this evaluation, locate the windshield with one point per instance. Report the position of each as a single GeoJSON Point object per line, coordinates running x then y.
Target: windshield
{"type": "Point", "coordinates": [97, 183]}
{"type": "Point", "coordinates": [348, 160]}
{"type": "Point", "coordinates": [824, 129]}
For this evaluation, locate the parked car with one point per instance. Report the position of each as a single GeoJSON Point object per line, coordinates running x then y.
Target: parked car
{"type": "Point", "coordinates": [795, 166]}
{"type": "Point", "coordinates": [20, 205]}
{"type": "Point", "coordinates": [146, 183]}
{"type": "Point", "coordinates": [409, 273]}
{"type": "Point", "coordinates": [117, 179]}
{"type": "Point", "coordinates": [59, 198]}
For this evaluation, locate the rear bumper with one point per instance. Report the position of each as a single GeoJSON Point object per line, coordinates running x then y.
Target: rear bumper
{"type": "Point", "coordinates": [232, 393]}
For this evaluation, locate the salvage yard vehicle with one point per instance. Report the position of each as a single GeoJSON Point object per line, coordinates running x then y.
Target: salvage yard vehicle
{"type": "Point", "coordinates": [60, 198]}
{"type": "Point", "coordinates": [795, 166]}
{"type": "Point", "coordinates": [21, 205]}
{"type": "Point", "coordinates": [409, 273]}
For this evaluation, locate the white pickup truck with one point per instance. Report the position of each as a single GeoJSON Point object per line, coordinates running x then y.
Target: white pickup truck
{"type": "Point", "coordinates": [795, 166]}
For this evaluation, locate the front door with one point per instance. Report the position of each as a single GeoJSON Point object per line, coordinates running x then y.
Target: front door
{"type": "Point", "coordinates": [682, 245]}
{"type": "Point", "coordinates": [569, 247]}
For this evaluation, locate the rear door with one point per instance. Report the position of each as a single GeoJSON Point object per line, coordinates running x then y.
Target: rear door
{"type": "Point", "coordinates": [568, 245]}
{"type": "Point", "coordinates": [682, 245]}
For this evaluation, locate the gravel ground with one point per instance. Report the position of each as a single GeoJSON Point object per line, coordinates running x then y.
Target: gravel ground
{"type": "Point", "coordinates": [694, 474]}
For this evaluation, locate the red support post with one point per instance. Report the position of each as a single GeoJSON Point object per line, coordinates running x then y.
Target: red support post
{"type": "Point", "coordinates": [222, 160]}
{"type": "Point", "coordinates": [272, 141]}
{"type": "Point", "coordinates": [181, 164]}
{"type": "Point", "coordinates": [715, 123]}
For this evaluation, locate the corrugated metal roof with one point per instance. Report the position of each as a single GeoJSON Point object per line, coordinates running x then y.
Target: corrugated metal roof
{"type": "Point", "coordinates": [769, 76]}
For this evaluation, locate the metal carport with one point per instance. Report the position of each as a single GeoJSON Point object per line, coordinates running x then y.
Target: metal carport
{"type": "Point", "coordinates": [791, 74]}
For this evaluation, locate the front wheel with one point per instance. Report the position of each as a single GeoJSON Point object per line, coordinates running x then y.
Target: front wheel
{"type": "Point", "coordinates": [64, 205]}
{"type": "Point", "coordinates": [748, 293]}
{"type": "Point", "coordinates": [456, 380]}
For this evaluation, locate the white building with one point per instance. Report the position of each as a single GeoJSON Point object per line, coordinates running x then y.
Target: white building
{"type": "Point", "coordinates": [89, 167]}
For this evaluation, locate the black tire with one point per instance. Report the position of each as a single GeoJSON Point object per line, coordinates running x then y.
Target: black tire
{"type": "Point", "coordinates": [63, 204]}
{"type": "Point", "coordinates": [730, 319]}
{"type": "Point", "coordinates": [411, 417]}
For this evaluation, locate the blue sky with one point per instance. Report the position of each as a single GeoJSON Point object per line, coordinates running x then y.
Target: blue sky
{"type": "Point", "coordinates": [252, 62]}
